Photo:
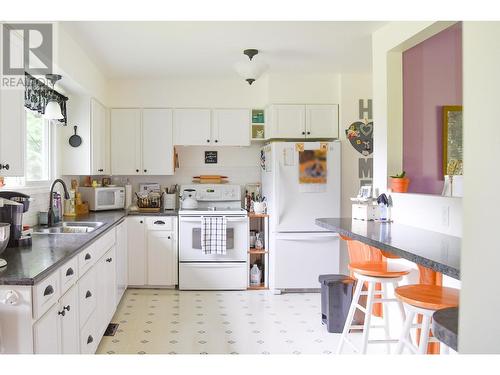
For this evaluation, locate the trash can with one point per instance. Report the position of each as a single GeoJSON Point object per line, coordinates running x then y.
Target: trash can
{"type": "Point", "coordinates": [336, 297]}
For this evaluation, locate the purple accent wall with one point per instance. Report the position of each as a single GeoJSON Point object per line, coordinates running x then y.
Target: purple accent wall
{"type": "Point", "coordinates": [432, 78]}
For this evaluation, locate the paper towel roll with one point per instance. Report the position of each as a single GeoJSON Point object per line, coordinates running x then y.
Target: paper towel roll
{"type": "Point", "coordinates": [128, 195]}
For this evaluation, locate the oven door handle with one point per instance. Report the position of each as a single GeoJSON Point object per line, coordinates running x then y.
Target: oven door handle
{"type": "Point", "coordinates": [198, 219]}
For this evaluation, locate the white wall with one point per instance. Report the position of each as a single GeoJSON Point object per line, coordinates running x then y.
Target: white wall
{"type": "Point", "coordinates": [388, 43]}
{"type": "Point", "coordinates": [479, 330]}
{"type": "Point", "coordinates": [303, 88]}
{"type": "Point", "coordinates": [188, 93]}
{"type": "Point", "coordinates": [80, 73]}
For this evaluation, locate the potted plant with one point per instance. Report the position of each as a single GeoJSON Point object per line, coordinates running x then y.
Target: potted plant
{"type": "Point", "coordinates": [400, 183]}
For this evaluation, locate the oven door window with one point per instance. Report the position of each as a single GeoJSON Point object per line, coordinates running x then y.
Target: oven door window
{"type": "Point", "coordinates": [196, 238]}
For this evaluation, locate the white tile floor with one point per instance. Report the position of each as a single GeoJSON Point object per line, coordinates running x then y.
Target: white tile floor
{"type": "Point", "coordinates": [155, 321]}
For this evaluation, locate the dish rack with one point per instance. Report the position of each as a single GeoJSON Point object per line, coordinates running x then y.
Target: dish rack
{"type": "Point", "coordinates": [149, 203]}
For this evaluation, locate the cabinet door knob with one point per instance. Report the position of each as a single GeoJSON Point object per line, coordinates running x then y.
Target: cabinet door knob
{"type": "Point", "coordinates": [109, 260]}
{"type": "Point", "coordinates": [303, 133]}
{"type": "Point", "coordinates": [70, 272]}
{"type": "Point", "coordinates": [137, 170]}
{"type": "Point", "coordinates": [308, 133]}
{"type": "Point", "coordinates": [90, 339]}
{"type": "Point", "coordinates": [208, 140]}
{"type": "Point", "coordinates": [168, 237]}
{"type": "Point", "coordinates": [216, 140]}
{"type": "Point", "coordinates": [67, 308]}
{"type": "Point", "coordinates": [145, 170]}
{"type": "Point", "coordinates": [88, 294]}
{"type": "Point", "coordinates": [88, 256]}
{"type": "Point", "coordinates": [48, 290]}
{"type": "Point", "coordinates": [61, 312]}
{"type": "Point", "coordinates": [4, 166]}
{"type": "Point", "coordinates": [141, 221]}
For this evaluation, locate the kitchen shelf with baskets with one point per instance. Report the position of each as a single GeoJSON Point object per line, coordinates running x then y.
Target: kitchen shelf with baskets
{"type": "Point", "coordinates": [259, 253]}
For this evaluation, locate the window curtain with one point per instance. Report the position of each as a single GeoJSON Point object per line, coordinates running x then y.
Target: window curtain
{"type": "Point", "coordinates": [37, 94]}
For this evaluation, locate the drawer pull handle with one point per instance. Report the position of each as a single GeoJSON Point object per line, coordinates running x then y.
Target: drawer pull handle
{"type": "Point", "coordinates": [88, 294]}
{"type": "Point", "coordinates": [88, 256]}
{"type": "Point", "coordinates": [48, 290]}
{"type": "Point", "coordinates": [67, 308]}
{"type": "Point", "coordinates": [70, 272]}
{"type": "Point", "coordinates": [159, 222]}
{"type": "Point", "coordinates": [90, 339]}
{"type": "Point", "coordinates": [109, 260]}
{"type": "Point", "coordinates": [61, 312]}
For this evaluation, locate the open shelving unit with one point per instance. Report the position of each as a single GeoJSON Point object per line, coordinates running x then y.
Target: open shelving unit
{"type": "Point", "coordinates": [258, 125]}
{"type": "Point", "coordinates": [259, 223]}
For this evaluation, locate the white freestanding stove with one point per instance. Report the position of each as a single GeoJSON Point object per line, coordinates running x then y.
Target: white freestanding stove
{"type": "Point", "coordinates": [200, 271]}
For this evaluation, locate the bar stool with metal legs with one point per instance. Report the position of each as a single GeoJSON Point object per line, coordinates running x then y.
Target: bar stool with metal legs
{"type": "Point", "coordinates": [372, 273]}
{"type": "Point", "coordinates": [426, 300]}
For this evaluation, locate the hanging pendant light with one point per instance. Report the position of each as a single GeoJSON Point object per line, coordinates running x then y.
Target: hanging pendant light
{"type": "Point", "coordinates": [53, 109]}
{"type": "Point", "coordinates": [250, 69]}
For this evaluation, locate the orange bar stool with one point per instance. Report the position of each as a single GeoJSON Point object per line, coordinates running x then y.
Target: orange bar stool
{"type": "Point", "coordinates": [372, 273]}
{"type": "Point", "coordinates": [425, 300]}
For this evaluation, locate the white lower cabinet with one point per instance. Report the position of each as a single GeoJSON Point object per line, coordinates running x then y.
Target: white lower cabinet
{"type": "Point", "coordinates": [58, 330]}
{"type": "Point", "coordinates": [121, 260]}
{"type": "Point", "coordinates": [76, 321]}
{"type": "Point", "coordinates": [68, 315]}
{"type": "Point", "coordinates": [106, 290]}
{"type": "Point", "coordinates": [152, 251]}
{"type": "Point", "coordinates": [46, 332]}
{"type": "Point", "coordinates": [162, 263]}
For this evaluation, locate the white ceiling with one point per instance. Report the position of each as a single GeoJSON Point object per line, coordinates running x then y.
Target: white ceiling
{"type": "Point", "coordinates": [168, 49]}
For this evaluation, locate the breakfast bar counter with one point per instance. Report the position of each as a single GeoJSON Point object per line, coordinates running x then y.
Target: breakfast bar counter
{"type": "Point", "coordinates": [436, 251]}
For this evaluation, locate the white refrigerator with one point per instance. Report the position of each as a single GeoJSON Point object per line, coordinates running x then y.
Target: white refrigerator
{"type": "Point", "coordinates": [301, 182]}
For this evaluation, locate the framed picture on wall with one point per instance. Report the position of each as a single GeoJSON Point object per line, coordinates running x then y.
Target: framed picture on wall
{"type": "Point", "coordinates": [452, 140]}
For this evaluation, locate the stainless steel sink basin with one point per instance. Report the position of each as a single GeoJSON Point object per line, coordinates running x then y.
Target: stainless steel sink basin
{"type": "Point", "coordinates": [70, 227]}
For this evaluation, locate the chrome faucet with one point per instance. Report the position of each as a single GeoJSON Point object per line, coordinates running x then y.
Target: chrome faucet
{"type": "Point", "coordinates": [51, 201]}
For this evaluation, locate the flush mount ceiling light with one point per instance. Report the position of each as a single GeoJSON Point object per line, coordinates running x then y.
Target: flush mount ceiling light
{"type": "Point", "coordinates": [53, 109]}
{"type": "Point", "coordinates": [250, 69]}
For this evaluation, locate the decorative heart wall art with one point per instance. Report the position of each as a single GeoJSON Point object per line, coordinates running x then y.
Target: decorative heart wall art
{"type": "Point", "coordinates": [360, 134]}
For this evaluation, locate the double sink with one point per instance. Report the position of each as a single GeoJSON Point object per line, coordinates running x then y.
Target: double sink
{"type": "Point", "coordinates": [69, 227]}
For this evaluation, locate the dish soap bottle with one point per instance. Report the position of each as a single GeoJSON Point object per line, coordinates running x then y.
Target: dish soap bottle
{"type": "Point", "coordinates": [255, 275]}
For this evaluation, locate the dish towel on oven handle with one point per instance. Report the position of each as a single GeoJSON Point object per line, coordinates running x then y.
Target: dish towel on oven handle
{"type": "Point", "coordinates": [213, 234]}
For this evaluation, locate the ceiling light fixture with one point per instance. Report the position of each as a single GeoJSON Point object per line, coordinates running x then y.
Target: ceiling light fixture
{"type": "Point", "coordinates": [53, 109]}
{"type": "Point", "coordinates": [250, 69]}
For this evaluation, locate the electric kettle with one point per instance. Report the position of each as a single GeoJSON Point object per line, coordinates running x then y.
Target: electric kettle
{"type": "Point", "coordinates": [188, 199]}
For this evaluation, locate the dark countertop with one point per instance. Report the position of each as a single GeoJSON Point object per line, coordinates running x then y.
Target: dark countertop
{"type": "Point", "coordinates": [161, 213]}
{"type": "Point", "coordinates": [445, 326]}
{"type": "Point", "coordinates": [437, 251]}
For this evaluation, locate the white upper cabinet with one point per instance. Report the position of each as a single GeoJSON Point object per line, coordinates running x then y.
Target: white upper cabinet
{"type": "Point", "coordinates": [125, 141]}
{"type": "Point", "coordinates": [231, 127]}
{"type": "Point", "coordinates": [12, 117]}
{"type": "Point", "coordinates": [157, 142]}
{"type": "Point", "coordinates": [192, 127]}
{"type": "Point", "coordinates": [293, 121]}
{"type": "Point", "coordinates": [287, 121]}
{"type": "Point", "coordinates": [322, 121]}
{"type": "Point", "coordinates": [99, 132]}
{"type": "Point", "coordinates": [141, 142]}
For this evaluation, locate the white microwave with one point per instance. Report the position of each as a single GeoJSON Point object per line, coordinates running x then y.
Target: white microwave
{"type": "Point", "coordinates": [103, 198]}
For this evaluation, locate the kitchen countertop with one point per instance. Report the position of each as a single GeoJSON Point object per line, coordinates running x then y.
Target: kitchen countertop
{"type": "Point", "coordinates": [437, 251]}
{"type": "Point", "coordinates": [161, 213]}
{"type": "Point", "coordinates": [29, 265]}
{"type": "Point", "coordinates": [445, 326]}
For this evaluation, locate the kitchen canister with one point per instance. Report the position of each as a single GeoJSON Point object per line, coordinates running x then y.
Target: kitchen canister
{"type": "Point", "coordinates": [259, 207]}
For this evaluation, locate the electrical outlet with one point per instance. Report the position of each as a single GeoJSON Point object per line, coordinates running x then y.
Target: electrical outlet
{"type": "Point", "coordinates": [445, 216]}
